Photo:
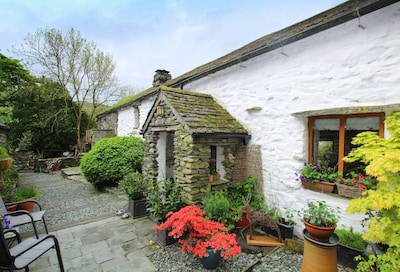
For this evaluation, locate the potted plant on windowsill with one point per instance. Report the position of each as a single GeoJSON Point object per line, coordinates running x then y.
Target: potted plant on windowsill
{"type": "Point", "coordinates": [162, 197]}
{"type": "Point", "coordinates": [351, 245]}
{"type": "Point", "coordinates": [214, 175]}
{"type": "Point", "coordinates": [319, 219]}
{"type": "Point", "coordinates": [134, 186]}
{"type": "Point", "coordinates": [207, 239]}
{"type": "Point", "coordinates": [318, 177]}
{"type": "Point", "coordinates": [354, 184]}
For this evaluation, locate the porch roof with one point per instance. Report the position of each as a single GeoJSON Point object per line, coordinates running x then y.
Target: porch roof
{"type": "Point", "coordinates": [199, 114]}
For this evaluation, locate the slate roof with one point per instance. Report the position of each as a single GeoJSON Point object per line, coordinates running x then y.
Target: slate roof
{"type": "Point", "coordinates": [199, 113]}
{"type": "Point", "coordinates": [340, 14]}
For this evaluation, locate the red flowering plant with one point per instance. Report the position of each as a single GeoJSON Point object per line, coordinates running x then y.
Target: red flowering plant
{"type": "Point", "coordinates": [359, 180]}
{"type": "Point", "coordinates": [196, 234]}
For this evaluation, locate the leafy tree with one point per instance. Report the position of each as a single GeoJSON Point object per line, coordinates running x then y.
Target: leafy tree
{"type": "Point", "coordinates": [77, 65]}
{"type": "Point", "coordinates": [382, 157]}
{"type": "Point", "coordinates": [45, 111]}
{"type": "Point", "coordinates": [13, 77]}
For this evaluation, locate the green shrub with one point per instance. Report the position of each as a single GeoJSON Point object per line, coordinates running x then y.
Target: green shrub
{"type": "Point", "coordinates": [3, 153]}
{"type": "Point", "coordinates": [111, 158]}
{"type": "Point", "coordinates": [238, 193]}
{"type": "Point", "coordinates": [9, 180]}
{"type": "Point", "coordinates": [162, 196]}
{"type": "Point", "coordinates": [216, 206]}
{"type": "Point", "coordinates": [351, 239]}
{"type": "Point", "coordinates": [27, 192]}
{"type": "Point", "coordinates": [133, 185]}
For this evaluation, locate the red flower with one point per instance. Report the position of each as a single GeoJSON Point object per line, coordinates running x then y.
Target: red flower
{"type": "Point", "coordinates": [196, 234]}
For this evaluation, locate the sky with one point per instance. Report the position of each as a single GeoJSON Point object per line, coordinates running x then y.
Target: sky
{"type": "Point", "coordinates": [145, 35]}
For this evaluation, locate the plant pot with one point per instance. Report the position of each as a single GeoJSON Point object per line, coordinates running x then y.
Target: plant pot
{"type": "Point", "coordinates": [286, 231]}
{"type": "Point", "coordinates": [12, 208]}
{"type": "Point", "coordinates": [212, 260]}
{"type": "Point", "coordinates": [243, 222]}
{"type": "Point", "coordinates": [319, 256]}
{"type": "Point", "coordinates": [163, 239]}
{"type": "Point", "coordinates": [5, 164]}
{"type": "Point", "coordinates": [320, 234]}
{"type": "Point", "coordinates": [349, 191]}
{"type": "Point", "coordinates": [319, 186]}
{"type": "Point", "coordinates": [346, 255]}
{"type": "Point", "coordinates": [137, 208]}
{"type": "Point", "coordinates": [29, 206]}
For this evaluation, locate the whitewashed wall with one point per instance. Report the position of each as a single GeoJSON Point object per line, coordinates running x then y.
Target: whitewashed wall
{"type": "Point", "coordinates": [340, 67]}
{"type": "Point", "coordinates": [127, 119]}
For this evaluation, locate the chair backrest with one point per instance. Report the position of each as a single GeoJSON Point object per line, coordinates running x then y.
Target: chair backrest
{"type": "Point", "coordinates": [5, 257]}
{"type": "Point", "coordinates": [3, 208]}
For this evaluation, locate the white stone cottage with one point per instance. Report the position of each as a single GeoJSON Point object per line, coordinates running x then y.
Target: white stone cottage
{"type": "Point", "coordinates": [320, 81]}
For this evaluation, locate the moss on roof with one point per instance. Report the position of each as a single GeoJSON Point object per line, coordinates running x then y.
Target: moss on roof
{"type": "Point", "coordinates": [200, 113]}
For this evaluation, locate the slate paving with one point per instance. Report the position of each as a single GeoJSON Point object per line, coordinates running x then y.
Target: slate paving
{"type": "Point", "coordinates": [91, 236]}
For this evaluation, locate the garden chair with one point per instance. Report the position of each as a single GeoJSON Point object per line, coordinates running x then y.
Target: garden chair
{"type": "Point", "coordinates": [22, 254]}
{"type": "Point", "coordinates": [22, 217]}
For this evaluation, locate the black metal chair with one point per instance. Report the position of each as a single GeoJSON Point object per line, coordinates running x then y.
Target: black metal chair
{"type": "Point", "coordinates": [22, 217]}
{"type": "Point", "coordinates": [25, 252]}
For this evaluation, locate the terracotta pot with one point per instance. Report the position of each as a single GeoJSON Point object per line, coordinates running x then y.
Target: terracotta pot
{"type": "Point", "coordinates": [320, 234]}
{"type": "Point", "coordinates": [27, 206]}
{"type": "Point", "coordinates": [12, 208]}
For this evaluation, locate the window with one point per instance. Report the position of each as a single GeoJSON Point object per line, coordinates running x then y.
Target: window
{"type": "Point", "coordinates": [330, 137]}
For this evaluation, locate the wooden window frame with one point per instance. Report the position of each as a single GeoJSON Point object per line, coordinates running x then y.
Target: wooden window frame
{"type": "Point", "coordinates": [342, 118]}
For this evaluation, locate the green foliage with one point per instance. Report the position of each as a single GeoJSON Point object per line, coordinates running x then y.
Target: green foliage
{"type": "Point", "coordinates": [382, 157]}
{"type": "Point", "coordinates": [112, 158]}
{"type": "Point", "coordinates": [133, 184]}
{"type": "Point", "coordinates": [162, 197]}
{"type": "Point", "coordinates": [3, 153]}
{"type": "Point", "coordinates": [239, 193]}
{"type": "Point", "coordinates": [351, 238]}
{"type": "Point", "coordinates": [9, 180]}
{"type": "Point", "coordinates": [216, 206]}
{"type": "Point", "coordinates": [27, 192]}
{"type": "Point", "coordinates": [318, 213]}
{"type": "Point", "coordinates": [313, 173]}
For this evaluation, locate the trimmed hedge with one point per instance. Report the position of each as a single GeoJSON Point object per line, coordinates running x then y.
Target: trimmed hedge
{"type": "Point", "coordinates": [111, 158]}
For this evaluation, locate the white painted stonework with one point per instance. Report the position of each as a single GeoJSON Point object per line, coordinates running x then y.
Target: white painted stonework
{"type": "Point", "coordinates": [339, 67]}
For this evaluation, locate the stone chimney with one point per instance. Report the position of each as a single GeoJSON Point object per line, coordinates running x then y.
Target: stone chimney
{"type": "Point", "coordinates": [161, 77]}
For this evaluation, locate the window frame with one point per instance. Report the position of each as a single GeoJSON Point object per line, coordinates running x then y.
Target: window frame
{"type": "Point", "coordinates": [342, 121]}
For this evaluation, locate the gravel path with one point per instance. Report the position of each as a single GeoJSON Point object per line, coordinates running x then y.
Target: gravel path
{"type": "Point", "coordinates": [69, 202]}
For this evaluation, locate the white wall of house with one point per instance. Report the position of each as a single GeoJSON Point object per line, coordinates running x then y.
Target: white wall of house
{"type": "Point", "coordinates": [128, 121]}
{"type": "Point", "coordinates": [340, 67]}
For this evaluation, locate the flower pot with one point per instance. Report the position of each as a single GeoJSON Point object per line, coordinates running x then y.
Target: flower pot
{"type": "Point", "coordinates": [29, 206]}
{"type": "Point", "coordinates": [319, 186]}
{"type": "Point", "coordinates": [243, 222]}
{"type": "Point", "coordinates": [163, 239]}
{"type": "Point", "coordinates": [286, 231]}
{"type": "Point", "coordinates": [349, 191]}
{"type": "Point", "coordinates": [319, 256]}
{"type": "Point", "coordinates": [12, 208]}
{"type": "Point", "coordinates": [212, 260]}
{"type": "Point", "coordinates": [5, 164]}
{"type": "Point", "coordinates": [346, 255]}
{"type": "Point", "coordinates": [137, 208]}
{"type": "Point", "coordinates": [320, 234]}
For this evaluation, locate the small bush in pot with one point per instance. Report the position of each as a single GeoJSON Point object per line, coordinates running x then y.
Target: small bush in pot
{"type": "Point", "coordinates": [134, 185]}
{"type": "Point", "coordinates": [351, 247]}
{"type": "Point", "coordinates": [216, 206]}
{"type": "Point", "coordinates": [27, 192]}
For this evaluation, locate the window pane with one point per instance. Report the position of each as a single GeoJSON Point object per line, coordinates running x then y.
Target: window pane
{"type": "Point", "coordinates": [326, 142]}
{"type": "Point", "coordinates": [353, 127]}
